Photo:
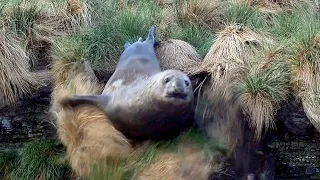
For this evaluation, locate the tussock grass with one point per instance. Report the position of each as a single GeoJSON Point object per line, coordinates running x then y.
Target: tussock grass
{"type": "Point", "coordinates": [178, 54]}
{"type": "Point", "coordinates": [16, 78]}
{"type": "Point", "coordinates": [237, 58]}
{"type": "Point", "coordinates": [102, 45]}
{"type": "Point", "coordinates": [268, 6]}
{"type": "Point", "coordinates": [259, 74]}
{"type": "Point", "coordinates": [263, 88]}
{"type": "Point", "coordinates": [39, 22]}
{"type": "Point", "coordinates": [200, 13]}
{"type": "Point", "coordinates": [306, 73]}
{"type": "Point", "coordinates": [302, 37]}
{"type": "Point", "coordinates": [41, 159]}
{"type": "Point", "coordinates": [234, 45]}
{"type": "Point", "coordinates": [33, 26]}
{"type": "Point", "coordinates": [245, 15]}
{"type": "Point", "coordinates": [295, 27]}
{"type": "Point", "coordinates": [8, 161]}
{"type": "Point", "coordinates": [200, 38]}
{"type": "Point", "coordinates": [25, 18]}
{"type": "Point", "coordinates": [166, 160]}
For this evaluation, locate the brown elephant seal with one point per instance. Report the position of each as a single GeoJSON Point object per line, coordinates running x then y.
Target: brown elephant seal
{"type": "Point", "coordinates": [140, 100]}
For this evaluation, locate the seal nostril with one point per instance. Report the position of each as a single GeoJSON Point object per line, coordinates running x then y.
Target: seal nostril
{"type": "Point", "coordinates": [187, 83]}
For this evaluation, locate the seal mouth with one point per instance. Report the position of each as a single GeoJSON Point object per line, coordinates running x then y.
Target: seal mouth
{"type": "Point", "coordinates": [177, 95]}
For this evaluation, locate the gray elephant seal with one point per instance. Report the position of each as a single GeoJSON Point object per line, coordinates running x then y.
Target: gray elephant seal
{"type": "Point", "coordinates": [140, 100]}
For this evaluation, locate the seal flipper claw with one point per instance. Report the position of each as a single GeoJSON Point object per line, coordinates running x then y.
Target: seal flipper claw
{"type": "Point", "coordinates": [152, 34]}
{"type": "Point", "coordinates": [101, 101]}
{"type": "Point", "coordinates": [126, 45]}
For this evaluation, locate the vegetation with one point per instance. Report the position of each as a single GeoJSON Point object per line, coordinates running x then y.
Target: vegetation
{"type": "Point", "coordinates": [137, 164]}
{"type": "Point", "coordinates": [275, 46]}
{"type": "Point", "coordinates": [8, 161]}
{"type": "Point", "coordinates": [41, 159]}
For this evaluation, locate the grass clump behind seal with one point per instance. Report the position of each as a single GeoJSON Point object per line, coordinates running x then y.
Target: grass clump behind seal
{"type": "Point", "coordinates": [28, 29]}
{"type": "Point", "coordinates": [262, 89]}
{"type": "Point", "coordinates": [102, 45]}
{"type": "Point", "coordinates": [200, 38]}
{"type": "Point", "coordinates": [245, 15]}
{"type": "Point", "coordinates": [16, 79]}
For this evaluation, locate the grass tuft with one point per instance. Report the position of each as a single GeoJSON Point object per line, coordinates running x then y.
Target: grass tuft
{"type": "Point", "coordinates": [199, 13]}
{"type": "Point", "coordinates": [102, 45]}
{"type": "Point", "coordinates": [165, 155]}
{"type": "Point", "coordinates": [245, 15]}
{"type": "Point", "coordinates": [306, 74]}
{"type": "Point", "coordinates": [41, 160]}
{"type": "Point", "coordinates": [200, 38]}
{"type": "Point", "coordinates": [24, 18]}
{"type": "Point", "coordinates": [262, 90]}
{"type": "Point", "coordinates": [8, 161]}
{"type": "Point", "coordinates": [16, 79]}
{"type": "Point", "coordinates": [233, 46]}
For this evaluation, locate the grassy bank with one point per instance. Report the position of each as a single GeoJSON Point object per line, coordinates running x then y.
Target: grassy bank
{"type": "Point", "coordinates": [285, 58]}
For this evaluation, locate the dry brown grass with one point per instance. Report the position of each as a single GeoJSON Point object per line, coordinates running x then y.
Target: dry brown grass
{"type": "Point", "coordinates": [85, 131]}
{"type": "Point", "coordinates": [178, 54]}
{"type": "Point", "coordinates": [67, 79]}
{"type": "Point", "coordinates": [259, 100]}
{"type": "Point", "coordinates": [170, 166]}
{"type": "Point", "coordinates": [53, 23]}
{"type": "Point", "coordinates": [168, 20]}
{"type": "Point", "coordinates": [181, 162]}
{"type": "Point", "coordinates": [260, 110]}
{"type": "Point", "coordinates": [200, 12]}
{"type": "Point", "coordinates": [226, 60]}
{"type": "Point", "coordinates": [75, 6]}
{"type": "Point", "coordinates": [90, 137]}
{"type": "Point", "coordinates": [270, 6]}
{"type": "Point", "coordinates": [16, 78]}
{"type": "Point", "coordinates": [47, 22]}
{"type": "Point", "coordinates": [306, 76]}
{"type": "Point", "coordinates": [231, 60]}
{"type": "Point", "coordinates": [219, 112]}
{"type": "Point", "coordinates": [29, 47]}
{"type": "Point", "coordinates": [188, 163]}
{"type": "Point", "coordinates": [234, 46]}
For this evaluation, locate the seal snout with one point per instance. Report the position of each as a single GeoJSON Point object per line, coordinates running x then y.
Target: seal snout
{"type": "Point", "coordinates": [176, 87]}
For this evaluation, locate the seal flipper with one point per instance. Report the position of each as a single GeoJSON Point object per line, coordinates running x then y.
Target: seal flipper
{"type": "Point", "coordinates": [152, 34]}
{"type": "Point", "coordinates": [101, 101]}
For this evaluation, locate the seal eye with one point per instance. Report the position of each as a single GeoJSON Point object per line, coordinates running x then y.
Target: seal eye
{"type": "Point", "coordinates": [166, 80]}
{"type": "Point", "coordinates": [187, 83]}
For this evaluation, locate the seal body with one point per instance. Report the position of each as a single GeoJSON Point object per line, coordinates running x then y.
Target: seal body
{"type": "Point", "coordinates": [141, 100]}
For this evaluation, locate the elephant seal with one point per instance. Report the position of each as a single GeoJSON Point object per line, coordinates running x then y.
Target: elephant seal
{"type": "Point", "coordinates": [140, 100]}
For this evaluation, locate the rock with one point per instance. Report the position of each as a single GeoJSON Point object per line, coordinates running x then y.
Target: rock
{"type": "Point", "coordinates": [6, 124]}
{"type": "Point", "coordinates": [28, 120]}
{"type": "Point", "coordinates": [292, 116]}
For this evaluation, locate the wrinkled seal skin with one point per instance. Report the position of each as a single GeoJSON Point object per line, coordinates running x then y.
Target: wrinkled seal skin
{"type": "Point", "coordinates": [141, 101]}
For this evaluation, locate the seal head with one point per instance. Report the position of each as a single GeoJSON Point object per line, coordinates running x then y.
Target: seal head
{"type": "Point", "coordinates": [176, 86]}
